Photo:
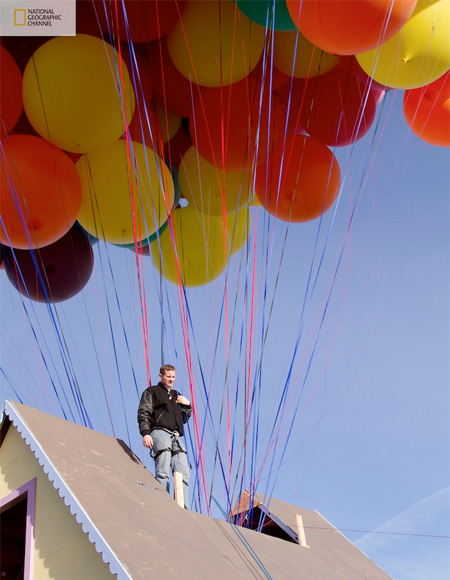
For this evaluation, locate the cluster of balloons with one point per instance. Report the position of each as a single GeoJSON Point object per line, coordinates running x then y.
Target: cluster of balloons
{"type": "Point", "coordinates": [225, 103]}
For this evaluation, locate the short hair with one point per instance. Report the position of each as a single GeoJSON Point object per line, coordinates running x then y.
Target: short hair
{"type": "Point", "coordinates": [165, 368]}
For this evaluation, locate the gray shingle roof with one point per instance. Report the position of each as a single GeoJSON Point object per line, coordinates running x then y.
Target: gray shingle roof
{"type": "Point", "coordinates": [142, 533]}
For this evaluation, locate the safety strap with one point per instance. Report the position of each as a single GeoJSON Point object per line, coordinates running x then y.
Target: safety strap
{"type": "Point", "coordinates": [158, 453]}
{"type": "Point", "coordinates": [178, 451]}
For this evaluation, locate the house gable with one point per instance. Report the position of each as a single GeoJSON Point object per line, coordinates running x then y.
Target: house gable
{"type": "Point", "coordinates": [60, 548]}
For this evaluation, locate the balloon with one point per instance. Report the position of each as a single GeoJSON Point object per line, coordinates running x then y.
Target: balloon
{"type": "Point", "coordinates": [91, 238]}
{"type": "Point", "coordinates": [72, 96]}
{"type": "Point", "coordinates": [54, 273]}
{"type": "Point", "coordinates": [140, 70]}
{"type": "Point", "coordinates": [40, 192]}
{"type": "Point", "coordinates": [171, 89]}
{"type": "Point", "coordinates": [349, 27]}
{"type": "Point", "coordinates": [230, 127]}
{"type": "Point", "coordinates": [295, 55]}
{"type": "Point", "coordinates": [418, 54]}
{"type": "Point", "coordinates": [212, 45]}
{"type": "Point", "coordinates": [143, 245]}
{"type": "Point", "coordinates": [198, 249]}
{"type": "Point", "coordinates": [332, 108]}
{"type": "Point", "coordinates": [170, 122]}
{"type": "Point", "coordinates": [145, 127]}
{"type": "Point", "coordinates": [11, 92]}
{"type": "Point", "coordinates": [138, 20]}
{"type": "Point", "coordinates": [427, 111]}
{"type": "Point", "coordinates": [88, 16]}
{"type": "Point", "coordinates": [262, 12]}
{"type": "Point", "coordinates": [115, 210]}
{"type": "Point", "coordinates": [212, 190]}
{"type": "Point", "coordinates": [300, 182]}
{"type": "Point", "coordinates": [22, 48]}
{"type": "Point", "coordinates": [238, 226]}
{"type": "Point", "coordinates": [177, 147]}
{"type": "Point", "coordinates": [367, 84]}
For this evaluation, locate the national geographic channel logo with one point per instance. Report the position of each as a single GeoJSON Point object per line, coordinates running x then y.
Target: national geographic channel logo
{"type": "Point", "coordinates": [36, 18]}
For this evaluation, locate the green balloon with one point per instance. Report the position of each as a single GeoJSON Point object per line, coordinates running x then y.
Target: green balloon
{"type": "Point", "coordinates": [261, 12]}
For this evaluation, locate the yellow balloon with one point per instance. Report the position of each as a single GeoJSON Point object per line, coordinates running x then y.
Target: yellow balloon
{"type": "Point", "coordinates": [418, 54]}
{"type": "Point", "coordinates": [210, 189]}
{"type": "Point", "coordinates": [238, 226]}
{"type": "Point", "coordinates": [115, 190]}
{"type": "Point", "coordinates": [73, 94]}
{"type": "Point", "coordinates": [214, 44]}
{"type": "Point", "coordinates": [170, 122]}
{"type": "Point", "coordinates": [196, 248]}
{"type": "Point", "coordinates": [295, 56]}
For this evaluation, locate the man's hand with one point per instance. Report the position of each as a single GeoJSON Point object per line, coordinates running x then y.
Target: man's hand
{"type": "Point", "coordinates": [183, 401]}
{"type": "Point", "coordinates": [147, 441]}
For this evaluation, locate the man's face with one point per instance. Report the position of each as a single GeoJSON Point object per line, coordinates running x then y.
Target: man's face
{"type": "Point", "coordinates": [168, 379]}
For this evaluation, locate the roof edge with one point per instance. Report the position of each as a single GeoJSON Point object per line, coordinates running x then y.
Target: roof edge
{"type": "Point", "coordinates": [71, 501]}
{"type": "Point", "coordinates": [353, 543]}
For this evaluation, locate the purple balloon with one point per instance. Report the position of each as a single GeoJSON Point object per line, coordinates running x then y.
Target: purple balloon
{"type": "Point", "coordinates": [54, 273]}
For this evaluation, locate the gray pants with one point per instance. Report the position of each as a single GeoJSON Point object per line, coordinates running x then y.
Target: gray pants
{"type": "Point", "coordinates": [170, 453]}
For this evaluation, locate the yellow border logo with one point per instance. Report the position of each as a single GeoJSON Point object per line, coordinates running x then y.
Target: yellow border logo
{"type": "Point", "coordinates": [20, 18]}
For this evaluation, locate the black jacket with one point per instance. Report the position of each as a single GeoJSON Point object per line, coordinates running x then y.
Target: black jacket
{"type": "Point", "coordinates": [159, 408]}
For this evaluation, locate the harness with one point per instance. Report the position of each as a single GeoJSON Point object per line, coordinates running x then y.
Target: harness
{"type": "Point", "coordinates": [174, 435]}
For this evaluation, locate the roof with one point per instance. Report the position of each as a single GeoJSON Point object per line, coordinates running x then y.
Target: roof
{"type": "Point", "coordinates": [142, 533]}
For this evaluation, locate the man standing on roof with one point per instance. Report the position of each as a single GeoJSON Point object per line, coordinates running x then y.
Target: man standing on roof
{"type": "Point", "coordinates": [161, 415]}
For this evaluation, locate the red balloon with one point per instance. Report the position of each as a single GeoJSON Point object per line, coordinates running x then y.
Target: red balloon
{"type": "Point", "coordinates": [22, 48]}
{"type": "Point", "coordinates": [177, 147]}
{"type": "Point", "coordinates": [87, 20]}
{"type": "Point", "coordinates": [145, 127]}
{"type": "Point", "coordinates": [427, 111]}
{"type": "Point", "coordinates": [140, 69]}
{"type": "Point", "coordinates": [231, 126]}
{"type": "Point", "coordinates": [300, 181]}
{"type": "Point", "coordinates": [138, 20]}
{"type": "Point", "coordinates": [367, 84]}
{"type": "Point", "coordinates": [54, 273]}
{"type": "Point", "coordinates": [11, 103]}
{"type": "Point", "coordinates": [335, 108]}
{"type": "Point", "coordinates": [349, 26]}
{"type": "Point", "coordinates": [170, 88]}
{"type": "Point", "coordinates": [40, 192]}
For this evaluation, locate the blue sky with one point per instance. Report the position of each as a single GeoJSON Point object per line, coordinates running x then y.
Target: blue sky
{"type": "Point", "coordinates": [361, 349]}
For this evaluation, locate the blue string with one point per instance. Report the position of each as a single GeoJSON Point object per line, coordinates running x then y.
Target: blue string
{"type": "Point", "coordinates": [245, 543]}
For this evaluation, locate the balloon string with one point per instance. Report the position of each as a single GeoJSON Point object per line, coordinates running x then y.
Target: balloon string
{"type": "Point", "coordinates": [137, 234]}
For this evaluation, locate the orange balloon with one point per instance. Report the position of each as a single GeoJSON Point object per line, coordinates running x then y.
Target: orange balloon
{"type": "Point", "coordinates": [427, 111]}
{"type": "Point", "coordinates": [300, 182]}
{"type": "Point", "coordinates": [40, 194]}
{"type": "Point", "coordinates": [349, 27]}
{"type": "Point", "coordinates": [11, 92]}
